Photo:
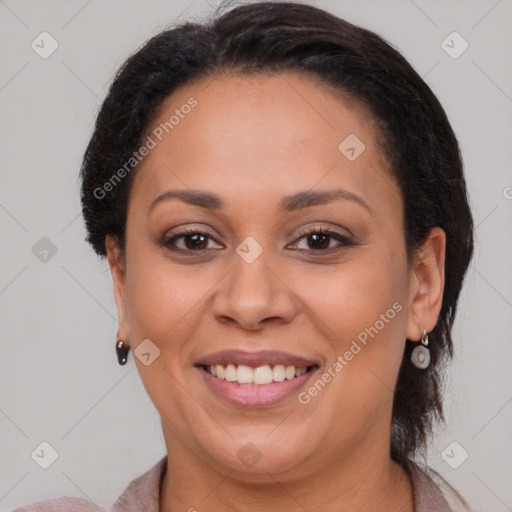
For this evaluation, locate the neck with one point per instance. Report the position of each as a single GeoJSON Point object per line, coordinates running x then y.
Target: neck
{"type": "Point", "coordinates": [348, 486]}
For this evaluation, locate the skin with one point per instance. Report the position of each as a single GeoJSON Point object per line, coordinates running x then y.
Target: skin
{"type": "Point", "coordinates": [252, 141]}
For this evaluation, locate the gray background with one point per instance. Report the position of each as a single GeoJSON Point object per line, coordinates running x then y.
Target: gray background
{"type": "Point", "coordinates": [59, 378]}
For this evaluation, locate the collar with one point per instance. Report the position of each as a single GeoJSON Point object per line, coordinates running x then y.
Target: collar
{"type": "Point", "coordinates": [143, 493]}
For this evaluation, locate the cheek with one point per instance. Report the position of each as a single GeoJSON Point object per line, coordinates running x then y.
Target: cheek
{"type": "Point", "coordinates": [361, 309]}
{"type": "Point", "coordinates": [163, 298]}
{"type": "Point", "coordinates": [165, 303]}
{"type": "Point", "coordinates": [353, 296]}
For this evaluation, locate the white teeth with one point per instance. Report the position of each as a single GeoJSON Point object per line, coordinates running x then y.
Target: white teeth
{"type": "Point", "coordinates": [220, 371]}
{"type": "Point", "coordinates": [230, 374]}
{"type": "Point", "coordinates": [299, 372]}
{"type": "Point", "coordinates": [289, 373]}
{"type": "Point", "coordinates": [279, 373]}
{"type": "Point", "coordinates": [265, 374]}
{"type": "Point", "coordinates": [244, 374]}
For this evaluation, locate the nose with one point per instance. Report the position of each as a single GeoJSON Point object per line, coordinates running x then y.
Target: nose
{"type": "Point", "coordinates": [253, 295]}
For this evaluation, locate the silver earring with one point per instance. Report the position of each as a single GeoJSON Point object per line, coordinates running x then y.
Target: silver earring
{"type": "Point", "coordinates": [420, 356]}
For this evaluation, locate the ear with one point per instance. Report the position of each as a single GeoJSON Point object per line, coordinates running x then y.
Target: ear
{"type": "Point", "coordinates": [426, 285]}
{"type": "Point", "coordinates": [116, 261]}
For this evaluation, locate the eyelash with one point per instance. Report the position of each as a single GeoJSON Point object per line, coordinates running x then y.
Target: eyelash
{"type": "Point", "coordinates": [345, 241]}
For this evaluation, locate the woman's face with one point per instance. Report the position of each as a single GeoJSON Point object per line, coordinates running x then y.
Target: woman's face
{"type": "Point", "coordinates": [237, 280]}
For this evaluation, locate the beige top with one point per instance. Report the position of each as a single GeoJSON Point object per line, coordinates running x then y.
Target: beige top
{"type": "Point", "coordinates": [142, 494]}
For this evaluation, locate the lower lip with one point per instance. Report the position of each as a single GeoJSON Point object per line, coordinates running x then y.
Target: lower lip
{"type": "Point", "coordinates": [255, 395]}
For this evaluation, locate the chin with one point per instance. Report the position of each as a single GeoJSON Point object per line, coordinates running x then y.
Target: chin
{"type": "Point", "coordinates": [254, 454]}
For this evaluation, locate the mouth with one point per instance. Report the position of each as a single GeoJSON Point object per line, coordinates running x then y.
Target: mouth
{"type": "Point", "coordinates": [261, 375]}
{"type": "Point", "coordinates": [255, 379]}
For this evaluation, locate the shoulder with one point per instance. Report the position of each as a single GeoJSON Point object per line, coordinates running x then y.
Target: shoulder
{"type": "Point", "coordinates": [451, 495]}
{"type": "Point", "coordinates": [141, 494]}
{"type": "Point", "coordinates": [433, 492]}
{"type": "Point", "coordinates": [64, 503]}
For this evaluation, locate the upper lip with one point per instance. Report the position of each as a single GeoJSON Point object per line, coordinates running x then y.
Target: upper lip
{"type": "Point", "coordinates": [255, 359]}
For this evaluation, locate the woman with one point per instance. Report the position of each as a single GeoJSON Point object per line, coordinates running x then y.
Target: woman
{"type": "Point", "coordinates": [282, 204]}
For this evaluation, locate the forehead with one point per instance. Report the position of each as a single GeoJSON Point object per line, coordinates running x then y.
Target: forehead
{"type": "Point", "coordinates": [262, 134]}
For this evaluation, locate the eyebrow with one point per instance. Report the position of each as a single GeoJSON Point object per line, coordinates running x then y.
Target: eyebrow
{"type": "Point", "coordinates": [289, 203]}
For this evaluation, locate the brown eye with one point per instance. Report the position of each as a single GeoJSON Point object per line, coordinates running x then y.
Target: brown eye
{"type": "Point", "coordinates": [190, 240]}
{"type": "Point", "coordinates": [320, 239]}
{"type": "Point", "coordinates": [196, 241]}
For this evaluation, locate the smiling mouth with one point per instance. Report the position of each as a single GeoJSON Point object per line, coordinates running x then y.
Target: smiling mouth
{"type": "Point", "coordinates": [259, 375]}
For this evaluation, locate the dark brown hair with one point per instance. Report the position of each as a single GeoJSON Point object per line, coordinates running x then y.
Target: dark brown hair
{"type": "Point", "coordinates": [415, 136]}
